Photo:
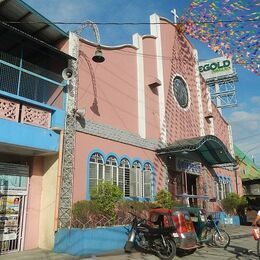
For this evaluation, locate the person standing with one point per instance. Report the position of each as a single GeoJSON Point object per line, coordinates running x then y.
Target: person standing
{"type": "Point", "coordinates": [257, 219]}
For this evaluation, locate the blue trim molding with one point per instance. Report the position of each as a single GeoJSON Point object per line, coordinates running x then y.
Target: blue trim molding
{"type": "Point", "coordinates": [113, 155]}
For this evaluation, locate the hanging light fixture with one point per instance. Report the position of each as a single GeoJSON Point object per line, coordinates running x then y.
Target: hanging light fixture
{"type": "Point", "coordinates": [98, 57]}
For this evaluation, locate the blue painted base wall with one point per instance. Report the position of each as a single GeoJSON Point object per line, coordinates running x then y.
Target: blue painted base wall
{"type": "Point", "coordinates": [92, 241]}
{"type": "Point", "coordinates": [225, 219]}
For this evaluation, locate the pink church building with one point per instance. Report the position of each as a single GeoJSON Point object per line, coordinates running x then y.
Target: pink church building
{"type": "Point", "coordinates": [150, 123]}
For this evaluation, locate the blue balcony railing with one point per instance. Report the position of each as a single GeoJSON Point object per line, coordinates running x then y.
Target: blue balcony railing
{"type": "Point", "coordinates": [29, 81]}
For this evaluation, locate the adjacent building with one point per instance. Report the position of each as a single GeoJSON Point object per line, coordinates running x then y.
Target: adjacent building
{"type": "Point", "coordinates": [250, 174]}
{"type": "Point", "coordinates": [32, 112]}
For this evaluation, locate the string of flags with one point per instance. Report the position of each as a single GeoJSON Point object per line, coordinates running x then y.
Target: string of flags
{"type": "Point", "coordinates": [229, 27]}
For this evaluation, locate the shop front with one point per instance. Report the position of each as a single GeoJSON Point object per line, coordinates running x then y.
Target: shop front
{"type": "Point", "coordinates": [13, 199]}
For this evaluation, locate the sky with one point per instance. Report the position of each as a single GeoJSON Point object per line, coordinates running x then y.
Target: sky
{"type": "Point", "coordinates": [244, 118]}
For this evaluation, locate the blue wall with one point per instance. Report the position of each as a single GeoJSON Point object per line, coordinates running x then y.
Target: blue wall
{"type": "Point", "coordinates": [225, 219]}
{"type": "Point", "coordinates": [33, 137]}
{"type": "Point", "coordinates": [91, 241]}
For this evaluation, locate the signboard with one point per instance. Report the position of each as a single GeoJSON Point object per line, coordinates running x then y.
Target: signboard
{"type": "Point", "coordinates": [13, 179]}
{"type": "Point", "coordinates": [215, 68]}
{"type": "Point", "coordinates": [188, 166]}
{"type": "Point", "coordinates": [9, 215]}
{"type": "Point", "coordinates": [13, 184]}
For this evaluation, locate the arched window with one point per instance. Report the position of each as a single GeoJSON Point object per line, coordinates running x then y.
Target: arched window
{"type": "Point", "coordinates": [220, 189]}
{"type": "Point", "coordinates": [230, 184]}
{"type": "Point", "coordinates": [111, 172]}
{"type": "Point", "coordinates": [227, 185]}
{"type": "Point", "coordinates": [136, 180]}
{"type": "Point", "coordinates": [147, 181]}
{"type": "Point", "coordinates": [215, 188]}
{"type": "Point", "coordinates": [96, 169]}
{"type": "Point", "coordinates": [123, 177]}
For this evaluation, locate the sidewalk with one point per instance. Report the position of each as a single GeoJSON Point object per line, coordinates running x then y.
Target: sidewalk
{"type": "Point", "coordinates": [37, 254]}
{"type": "Point", "coordinates": [235, 232]}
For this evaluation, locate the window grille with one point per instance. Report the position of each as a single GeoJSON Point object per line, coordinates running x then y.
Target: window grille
{"type": "Point", "coordinates": [220, 192]}
{"type": "Point", "coordinates": [95, 170]}
{"type": "Point", "coordinates": [111, 171]}
{"type": "Point", "coordinates": [147, 181]}
{"type": "Point", "coordinates": [30, 81]}
{"type": "Point", "coordinates": [124, 177]}
{"type": "Point", "coordinates": [134, 182]}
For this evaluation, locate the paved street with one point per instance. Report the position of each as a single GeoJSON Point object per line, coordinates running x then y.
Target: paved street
{"type": "Point", "coordinates": [243, 248]}
{"type": "Point", "coordinates": [240, 248]}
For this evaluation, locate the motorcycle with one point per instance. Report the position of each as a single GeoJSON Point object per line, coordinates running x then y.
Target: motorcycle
{"type": "Point", "coordinates": [212, 233]}
{"type": "Point", "coordinates": [146, 238]}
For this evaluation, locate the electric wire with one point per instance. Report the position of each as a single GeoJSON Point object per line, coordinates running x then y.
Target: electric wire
{"type": "Point", "coordinates": [166, 57]}
{"type": "Point", "coordinates": [133, 23]}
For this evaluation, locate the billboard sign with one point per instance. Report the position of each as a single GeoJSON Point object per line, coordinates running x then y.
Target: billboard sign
{"type": "Point", "coordinates": [215, 68]}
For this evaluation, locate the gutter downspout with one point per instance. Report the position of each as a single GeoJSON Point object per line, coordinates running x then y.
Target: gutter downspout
{"type": "Point", "coordinates": [58, 183]}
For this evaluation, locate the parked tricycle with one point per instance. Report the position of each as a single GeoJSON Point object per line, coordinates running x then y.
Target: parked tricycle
{"type": "Point", "coordinates": [207, 229]}
{"type": "Point", "coordinates": [184, 235]}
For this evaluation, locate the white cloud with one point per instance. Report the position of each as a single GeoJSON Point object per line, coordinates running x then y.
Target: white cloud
{"type": "Point", "coordinates": [246, 132]}
{"type": "Point", "coordinates": [244, 116]}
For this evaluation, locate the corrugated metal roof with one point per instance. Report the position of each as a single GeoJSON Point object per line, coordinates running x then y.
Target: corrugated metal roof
{"type": "Point", "coordinates": [20, 15]}
{"type": "Point", "coordinates": [242, 156]}
{"type": "Point", "coordinates": [252, 172]}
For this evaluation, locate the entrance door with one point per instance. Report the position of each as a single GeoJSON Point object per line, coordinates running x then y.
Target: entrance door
{"type": "Point", "coordinates": [13, 198]}
{"type": "Point", "coordinates": [192, 188]}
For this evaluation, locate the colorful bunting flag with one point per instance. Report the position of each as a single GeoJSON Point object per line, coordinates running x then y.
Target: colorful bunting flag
{"type": "Point", "coordinates": [229, 27]}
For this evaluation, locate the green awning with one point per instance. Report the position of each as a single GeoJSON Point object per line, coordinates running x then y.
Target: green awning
{"type": "Point", "coordinates": [208, 149]}
{"type": "Point", "coordinates": [250, 176]}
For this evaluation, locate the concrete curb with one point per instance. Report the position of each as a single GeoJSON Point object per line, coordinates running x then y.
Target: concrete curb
{"type": "Point", "coordinates": [237, 236]}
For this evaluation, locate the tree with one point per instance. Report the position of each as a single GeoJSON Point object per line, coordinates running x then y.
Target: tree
{"type": "Point", "coordinates": [164, 199]}
{"type": "Point", "coordinates": [105, 196]}
{"type": "Point", "coordinates": [233, 203]}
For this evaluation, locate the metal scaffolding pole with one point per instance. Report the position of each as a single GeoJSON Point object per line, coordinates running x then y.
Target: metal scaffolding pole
{"type": "Point", "coordinates": [65, 204]}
